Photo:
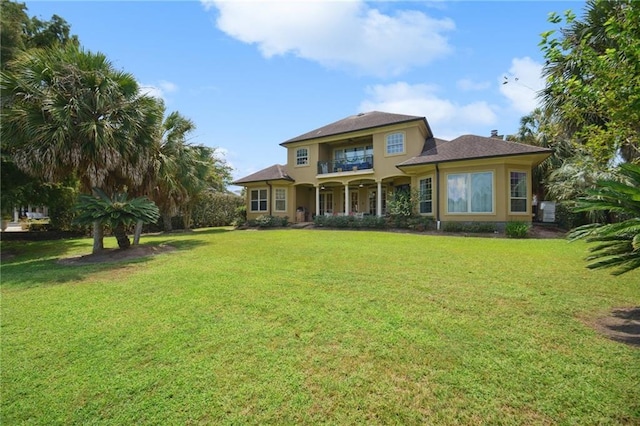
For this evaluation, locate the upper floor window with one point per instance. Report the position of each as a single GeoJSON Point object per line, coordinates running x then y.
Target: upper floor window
{"type": "Point", "coordinates": [395, 143]}
{"type": "Point", "coordinates": [302, 157]}
{"type": "Point", "coordinates": [355, 154]}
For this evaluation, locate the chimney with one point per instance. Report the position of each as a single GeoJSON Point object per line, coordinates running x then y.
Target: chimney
{"type": "Point", "coordinates": [494, 134]}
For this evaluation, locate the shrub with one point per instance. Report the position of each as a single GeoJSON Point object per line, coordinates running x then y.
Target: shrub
{"type": "Point", "coordinates": [470, 227]}
{"type": "Point", "coordinates": [517, 229]}
{"type": "Point", "coordinates": [567, 218]}
{"type": "Point", "coordinates": [352, 222]}
{"type": "Point", "coordinates": [402, 203]}
{"type": "Point", "coordinates": [218, 209]}
{"type": "Point", "coordinates": [267, 221]}
{"type": "Point", "coordinates": [420, 223]}
{"type": "Point", "coordinates": [35, 225]}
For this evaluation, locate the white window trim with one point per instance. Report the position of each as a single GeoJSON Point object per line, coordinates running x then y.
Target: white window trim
{"type": "Point", "coordinates": [432, 197]}
{"type": "Point", "coordinates": [259, 199]}
{"type": "Point", "coordinates": [404, 144]}
{"type": "Point", "coordinates": [470, 213]}
{"type": "Point", "coordinates": [526, 198]}
{"type": "Point", "coordinates": [275, 199]}
{"type": "Point", "coordinates": [296, 157]}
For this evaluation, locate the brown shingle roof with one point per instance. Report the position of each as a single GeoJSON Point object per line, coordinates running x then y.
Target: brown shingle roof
{"type": "Point", "coordinates": [362, 121]}
{"type": "Point", "coordinates": [275, 172]}
{"type": "Point", "coordinates": [469, 147]}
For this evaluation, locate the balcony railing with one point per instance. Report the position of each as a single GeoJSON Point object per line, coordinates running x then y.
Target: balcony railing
{"type": "Point", "coordinates": [345, 165]}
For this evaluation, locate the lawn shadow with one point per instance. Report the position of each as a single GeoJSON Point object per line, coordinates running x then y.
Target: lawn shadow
{"type": "Point", "coordinates": [622, 325]}
{"type": "Point", "coordinates": [209, 231]}
{"type": "Point", "coordinates": [48, 267]}
{"type": "Point", "coordinates": [13, 251]}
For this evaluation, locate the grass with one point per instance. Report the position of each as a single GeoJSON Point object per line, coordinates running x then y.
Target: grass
{"type": "Point", "coordinates": [299, 326]}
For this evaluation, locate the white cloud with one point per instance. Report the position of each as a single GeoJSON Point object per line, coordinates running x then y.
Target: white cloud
{"type": "Point", "coordinates": [337, 34]}
{"type": "Point", "coordinates": [522, 83]}
{"type": "Point", "coordinates": [158, 90]}
{"type": "Point", "coordinates": [447, 119]}
{"type": "Point", "coordinates": [467, 85]}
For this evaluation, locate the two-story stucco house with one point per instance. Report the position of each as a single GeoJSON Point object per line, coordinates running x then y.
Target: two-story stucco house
{"type": "Point", "coordinates": [353, 166]}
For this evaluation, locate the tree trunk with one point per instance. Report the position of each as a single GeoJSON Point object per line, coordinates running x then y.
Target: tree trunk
{"type": "Point", "coordinates": [121, 236]}
{"type": "Point", "coordinates": [98, 237]}
{"type": "Point", "coordinates": [166, 222]}
{"type": "Point", "coordinates": [136, 236]}
{"type": "Point", "coordinates": [186, 218]}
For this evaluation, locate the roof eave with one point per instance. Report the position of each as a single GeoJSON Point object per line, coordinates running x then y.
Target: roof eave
{"type": "Point", "coordinates": [244, 182]}
{"type": "Point", "coordinates": [478, 158]}
{"type": "Point", "coordinates": [291, 141]}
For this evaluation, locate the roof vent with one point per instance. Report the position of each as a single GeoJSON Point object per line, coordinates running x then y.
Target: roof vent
{"type": "Point", "coordinates": [494, 133]}
{"type": "Point", "coordinates": [361, 114]}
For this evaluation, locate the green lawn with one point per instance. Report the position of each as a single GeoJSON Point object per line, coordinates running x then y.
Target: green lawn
{"type": "Point", "coordinates": [302, 326]}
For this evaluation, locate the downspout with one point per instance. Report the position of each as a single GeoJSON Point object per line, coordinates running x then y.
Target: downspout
{"type": "Point", "coordinates": [437, 197]}
{"type": "Point", "coordinates": [270, 195]}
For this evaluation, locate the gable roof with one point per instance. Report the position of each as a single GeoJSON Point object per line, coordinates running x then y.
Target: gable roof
{"type": "Point", "coordinates": [275, 172]}
{"type": "Point", "coordinates": [362, 121]}
{"type": "Point", "coordinates": [468, 147]}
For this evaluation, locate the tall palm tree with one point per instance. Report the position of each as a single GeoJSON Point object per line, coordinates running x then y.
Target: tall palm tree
{"type": "Point", "coordinates": [201, 164]}
{"type": "Point", "coordinates": [181, 169]}
{"type": "Point", "coordinates": [70, 112]}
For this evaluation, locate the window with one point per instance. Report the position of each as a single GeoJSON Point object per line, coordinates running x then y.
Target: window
{"type": "Point", "coordinates": [354, 201]}
{"type": "Point", "coordinates": [281, 199]}
{"type": "Point", "coordinates": [395, 143]}
{"type": "Point", "coordinates": [302, 157]}
{"type": "Point", "coordinates": [518, 192]}
{"type": "Point", "coordinates": [326, 203]}
{"type": "Point", "coordinates": [258, 200]}
{"type": "Point", "coordinates": [355, 154]}
{"type": "Point", "coordinates": [373, 201]}
{"type": "Point", "coordinates": [426, 203]}
{"type": "Point", "coordinates": [470, 192]}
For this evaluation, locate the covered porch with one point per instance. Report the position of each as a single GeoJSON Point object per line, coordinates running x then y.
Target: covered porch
{"type": "Point", "coordinates": [357, 196]}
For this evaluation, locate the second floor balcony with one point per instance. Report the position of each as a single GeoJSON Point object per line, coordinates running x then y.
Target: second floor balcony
{"type": "Point", "coordinates": [364, 162]}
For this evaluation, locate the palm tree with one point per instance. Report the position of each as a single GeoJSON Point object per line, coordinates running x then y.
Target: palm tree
{"type": "Point", "coordinates": [618, 242]}
{"type": "Point", "coordinates": [118, 212]}
{"type": "Point", "coordinates": [541, 128]}
{"type": "Point", "coordinates": [168, 192]}
{"type": "Point", "coordinates": [181, 170]}
{"type": "Point", "coordinates": [70, 112]}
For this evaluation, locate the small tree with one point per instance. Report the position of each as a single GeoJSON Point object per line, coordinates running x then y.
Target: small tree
{"type": "Point", "coordinates": [619, 242]}
{"type": "Point", "coordinates": [117, 212]}
{"type": "Point", "coordinates": [403, 203]}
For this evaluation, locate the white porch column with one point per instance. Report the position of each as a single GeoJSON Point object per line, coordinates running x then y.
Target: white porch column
{"type": "Point", "coordinates": [346, 199]}
{"type": "Point", "coordinates": [379, 199]}
{"type": "Point", "coordinates": [317, 200]}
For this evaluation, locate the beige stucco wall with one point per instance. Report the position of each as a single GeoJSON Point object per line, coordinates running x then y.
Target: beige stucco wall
{"type": "Point", "coordinates": [302, 192]}
{"type": "Point", "coordinates": [384, 165]}
{"type": "Point", "coordinates": [290, 200]}
{"type": "Point", "coordinates": [501, 169]}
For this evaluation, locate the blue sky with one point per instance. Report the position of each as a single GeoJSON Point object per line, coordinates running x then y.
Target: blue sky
{"type": "Point", "coordinates": [252, 74]}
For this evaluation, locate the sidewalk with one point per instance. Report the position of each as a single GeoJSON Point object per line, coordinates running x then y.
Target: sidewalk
{"type": "Point", "coordinates": [14, 227]}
